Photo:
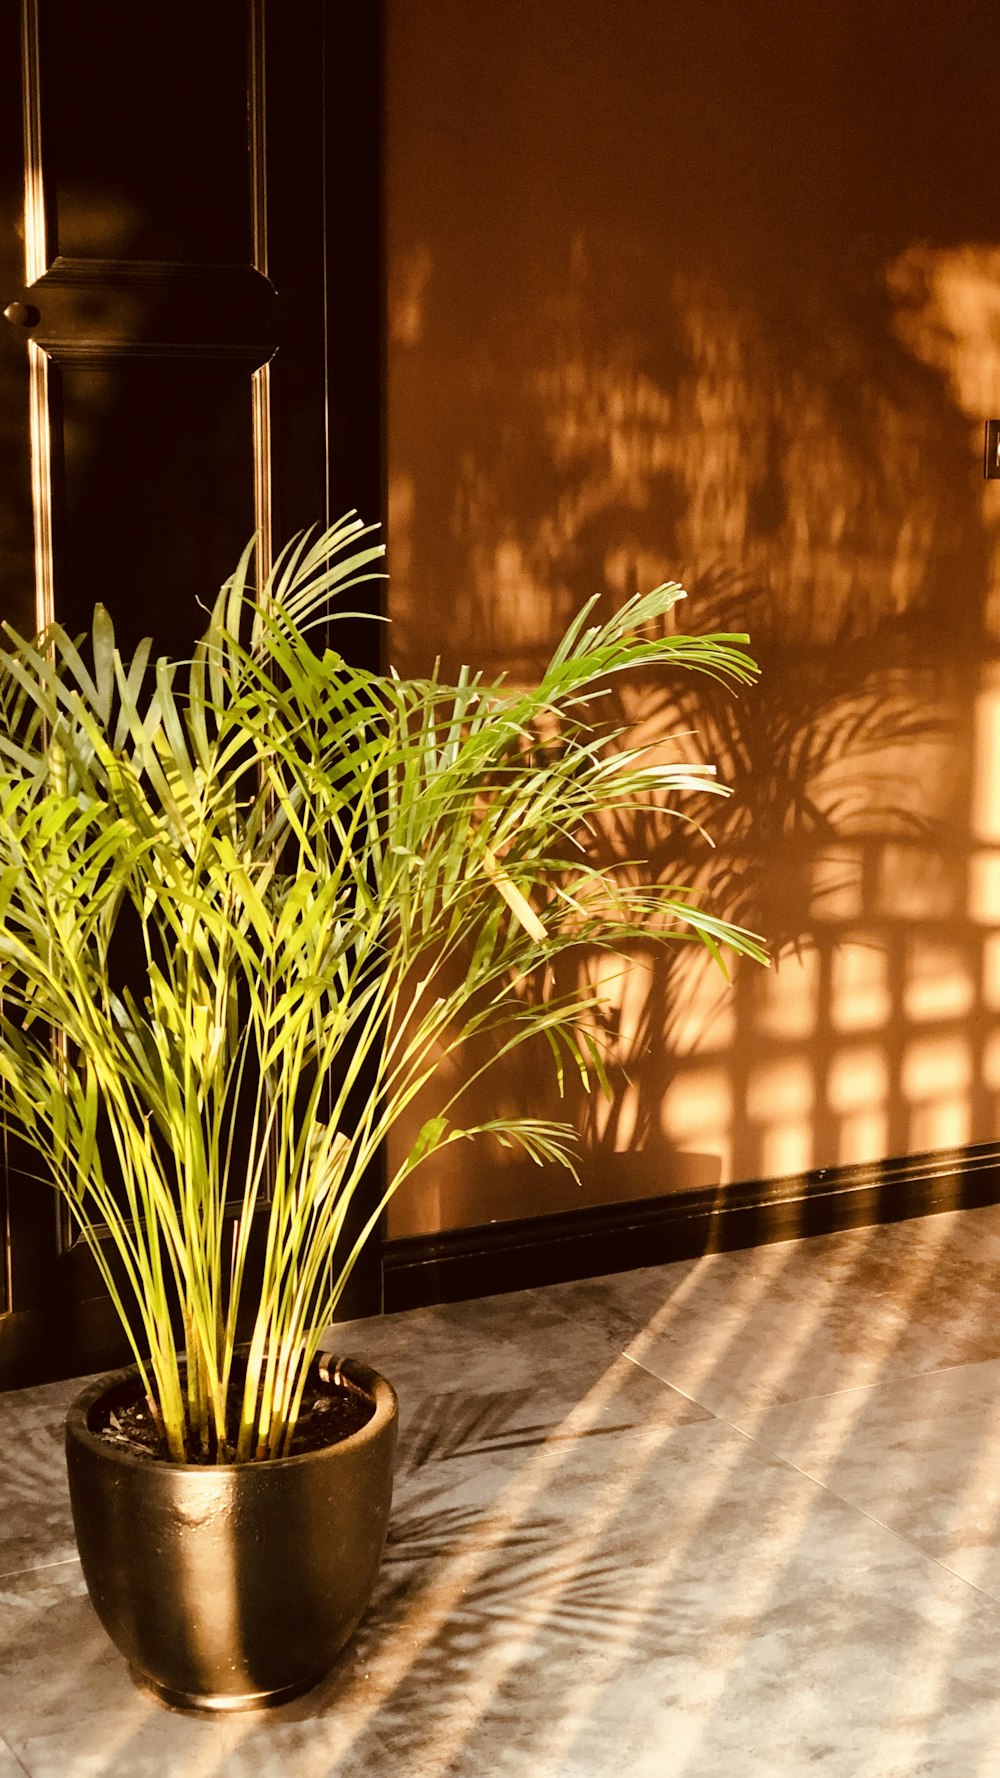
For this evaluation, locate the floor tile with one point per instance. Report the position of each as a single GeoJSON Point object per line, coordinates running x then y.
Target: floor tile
{"type": "Point", "coordinates": [800, 1318]}
{"type": "Point", "coordinates": [35, 1522]}
{"type": "Point", "coordinates": [920, 1454]}
{"type": "Point", "coordinates": [591, 1573]}
{"type": "Point", "coordinates": [675, 1603]}
{"type": "Point", "coordinates": [690, 1610]}
{"type": "Point", "coordinates": [503, 1372]}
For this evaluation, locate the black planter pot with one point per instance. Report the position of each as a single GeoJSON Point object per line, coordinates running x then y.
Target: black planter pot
{"type": "Point", "coordinates": [231, 1587]}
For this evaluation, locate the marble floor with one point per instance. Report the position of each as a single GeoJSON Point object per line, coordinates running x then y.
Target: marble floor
{"type": "Point", "coordinates": [737, 1517]}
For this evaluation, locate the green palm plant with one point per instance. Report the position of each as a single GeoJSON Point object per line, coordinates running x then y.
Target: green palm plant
{"type": "Point", "coordinates": [330, 877]}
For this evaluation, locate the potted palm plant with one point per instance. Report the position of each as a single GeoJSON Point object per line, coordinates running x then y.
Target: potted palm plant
{"type": "Point", "coordinates": [246, 901]}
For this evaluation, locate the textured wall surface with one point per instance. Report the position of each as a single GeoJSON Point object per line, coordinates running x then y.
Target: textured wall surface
{"type": "Point", "coordinates": [712, 293]}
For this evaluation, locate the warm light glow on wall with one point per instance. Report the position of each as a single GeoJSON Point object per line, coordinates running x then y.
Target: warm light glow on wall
{"type": "Point", "coordinates": [780, 1099]}
{"type": "Point", "coordinates": [837, 888]}
{"type": "Point", "coordinates": [858, 1080]}
{"type": "Point", "coordinates": [984, 888]}
{"type": "Point", "coordinates": [989, 983]}
{"type": "Point", "coordinates": [935, 1067]}
{"type": "Point", "coordinates": [862, 1135]}
{"type": "Point", "coordinates": [948, 314]}
{"type": "Point", "coordinates": [704, 1017]}
{"type": "Point", "coordinates": [936, 1076]}
{"type": "Point", "coordinates": [860, 997]}
{"type": "Point", "coordinates": [939, 984]}
{"type": "Point", "coordinates": [942, 1123]}
{"type": "Point", "coordinates": [915, 883]}
{"type": "Point", "coordinates": [991, 1062]}
{"type": "Point", "coordinates": [857, 1090]}
{"type": "Point", "coordinates": [696, 1112]}
{"type": "Point", "coordinates": [986, 781]}
{"type": "Point", "coordinates": [786, 998]}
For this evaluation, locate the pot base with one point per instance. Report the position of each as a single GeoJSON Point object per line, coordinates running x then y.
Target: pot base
{"type": "Point", "coordinates": [219, 1703]}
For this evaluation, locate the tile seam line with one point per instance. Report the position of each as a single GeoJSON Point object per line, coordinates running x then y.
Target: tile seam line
{"type": "Point", "coordinates": [793, 1401]}
{"type": "Point", "coordinates": [539, 1290]}
{"type": "Point", "coordinates": [941, 1370]}
{"type": "Point", "coordinates": [834, 1493]}
{"type": "Point", "coordinates": [677, 1390]}
{"type": "Point", "coordinates": [786, 1462]}
{"type": "Point", "coordinates": [37, 1568]}
{"type": "Point", "coordinates": [15, 1756]}
{"type": "Point", "coordinates": [620, 1352]}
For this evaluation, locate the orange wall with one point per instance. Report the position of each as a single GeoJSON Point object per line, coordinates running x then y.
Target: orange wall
{"type": "Point", "coordinates": [712, 292]}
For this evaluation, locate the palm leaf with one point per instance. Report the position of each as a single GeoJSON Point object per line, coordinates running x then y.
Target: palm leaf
{"type": "Point", "coordinates": [334, 877]}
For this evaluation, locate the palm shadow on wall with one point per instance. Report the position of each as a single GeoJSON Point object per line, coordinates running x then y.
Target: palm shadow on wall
{"type": "Point", "coordinates": [794, 462]}
{"type": "Point", "coordinates": [848, 769]}
{"type": "Point", "coordinates": [840, 758]}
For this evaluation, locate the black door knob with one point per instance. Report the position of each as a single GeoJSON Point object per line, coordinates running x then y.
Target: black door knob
{"type": "Point", "coordinates": [21, 315]}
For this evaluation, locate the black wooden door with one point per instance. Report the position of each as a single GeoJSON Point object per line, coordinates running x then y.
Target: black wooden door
{"type": "Point", "coordinates": [191, 352]}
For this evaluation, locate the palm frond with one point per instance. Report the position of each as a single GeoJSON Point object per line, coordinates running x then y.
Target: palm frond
{"type": "Point", "coordinates": [334, 879]}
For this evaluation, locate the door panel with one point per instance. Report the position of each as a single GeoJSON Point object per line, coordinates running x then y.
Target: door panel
{"type": "Point", "coordinates": [192, 234]}
{"type": "Point", "coordinates": [147, 306]}
{"type": "Point", "coordinates": [141, 439]}
{"type": "Point", "coordinates": [144, 130]}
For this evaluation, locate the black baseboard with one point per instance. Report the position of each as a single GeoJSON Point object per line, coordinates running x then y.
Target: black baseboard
{"type": "Point", "coordinates": [502, 1256]}
{"type": "Point", "coordinates": [586, 1243]}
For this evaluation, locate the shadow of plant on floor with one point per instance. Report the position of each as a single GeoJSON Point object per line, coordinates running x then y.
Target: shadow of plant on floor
{"type": "Point", "coordinates": [458, 1424]}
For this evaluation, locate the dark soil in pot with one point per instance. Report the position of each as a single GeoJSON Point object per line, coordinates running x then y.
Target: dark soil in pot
{"type": "Point", "coordinates": [333, 1408]}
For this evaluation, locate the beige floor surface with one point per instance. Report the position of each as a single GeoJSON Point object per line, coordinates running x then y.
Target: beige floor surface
{"type": "Point", "coordinates": [737, 1517]}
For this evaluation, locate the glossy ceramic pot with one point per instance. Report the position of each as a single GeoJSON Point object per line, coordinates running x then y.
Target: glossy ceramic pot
{"type": "Point", "coordinates": [231, 1587]}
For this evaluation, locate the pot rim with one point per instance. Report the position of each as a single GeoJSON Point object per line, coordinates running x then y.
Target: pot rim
{"type": "Point", "coordinates": [371, 1381]}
